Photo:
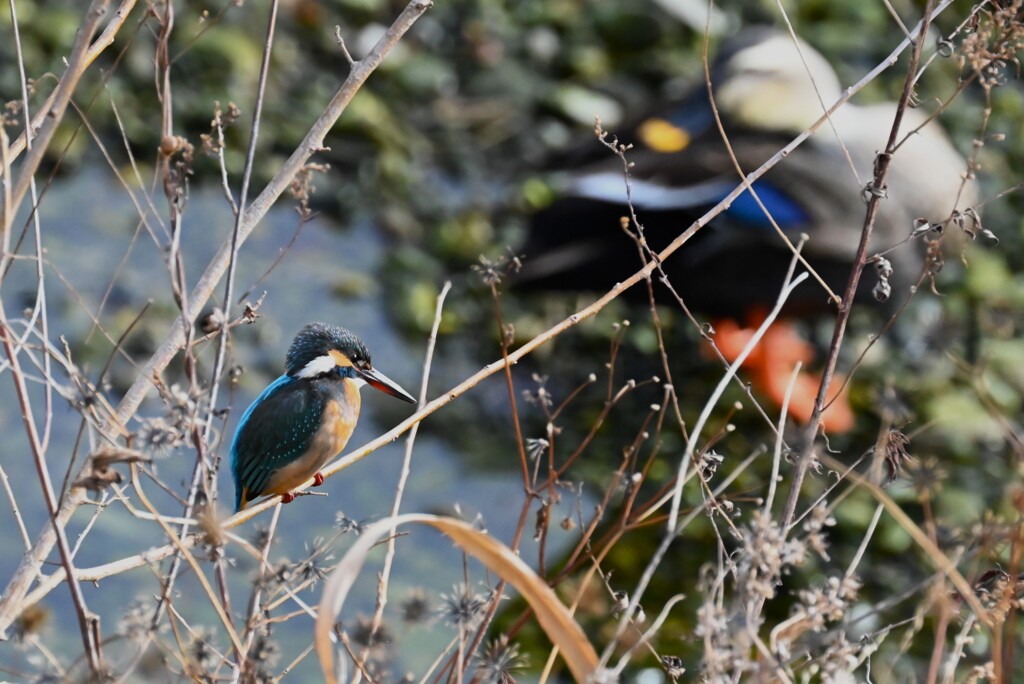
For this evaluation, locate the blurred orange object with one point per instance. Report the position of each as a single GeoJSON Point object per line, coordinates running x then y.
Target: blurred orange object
{"type": "Point", "coordinates": [771, 364]}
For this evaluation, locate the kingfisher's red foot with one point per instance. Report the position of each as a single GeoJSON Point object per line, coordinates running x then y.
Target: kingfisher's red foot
{"type": "Point", "coordinates": [318, 479]}
{"type": "Point", "coordinates": [287, 498]}
{"type": "Point", "coordinates": [771, 366]}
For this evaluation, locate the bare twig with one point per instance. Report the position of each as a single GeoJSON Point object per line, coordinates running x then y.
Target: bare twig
{"type": "Point", "coordinates": [85, 617]}
{"type": "Point", "coordinates": [311, 144]}
{"type": "Point", "coordinates": [777, 455]}
{"type": "Point", "coordinates": [183, 548]}
{"type": "Point", "coordinates": [78, 62]}
{"type": "Point", "coordinates": [226, 304]}
{"type": "Point", "coordinates": [877, 192]}
{"type": "Point", "coordinates": [254, 600]}
{"type": "Point", "coordinates": [672, 525]}
{"type": "Point", "coordinates": [941, 560]}
{"type": "Point", "coordinates": [389, 554]}
{"type": "Point", "coordinates": [96, 48]}
{"type": "Point", "coordinates": [691, 444]}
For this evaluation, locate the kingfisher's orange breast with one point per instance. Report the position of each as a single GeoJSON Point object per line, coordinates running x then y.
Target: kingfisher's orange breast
{"type": "Point", "coordinates": [339, 419]}
{"type": "Point", "coordinates": [336, 426]}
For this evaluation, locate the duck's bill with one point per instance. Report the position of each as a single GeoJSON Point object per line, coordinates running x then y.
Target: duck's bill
{"type": "Point", "coordinates": [374, 378]}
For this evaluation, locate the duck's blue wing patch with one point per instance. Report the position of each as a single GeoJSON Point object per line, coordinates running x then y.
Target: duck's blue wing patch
{"type": "Point", "coordinates": [274, 431]}
{"type": "Point", "coordinates": [744, 210]}
{"type": "Point", "coordinates": [783, 208]}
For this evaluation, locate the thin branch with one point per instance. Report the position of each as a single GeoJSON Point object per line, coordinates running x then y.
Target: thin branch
{"type": "Point", "coordinates": [310, 145]}
{"type": "Point", "coordinates": [85, 617]}
{"type": "Point", "coordinates": [691, 444]}
{"type": "Point", "coordinates": [389, 554]}
{"type": "Point", "coordinates": [12, 601]}
{"type": "Point", "coordinates": [257, 590]}
{"type": "Point", "coordinates": [941, 561]}
{"type": "Point", "coordinates": [224, 337]}
{"type": "Point", "coordinates": [876, 193]}
{"type": "Point", "coordinates": [102, 42]}
{"type": "Point", "coordinates": [672, 531]}
{"type": "Point", "coordinates": [777, 455]}
{"type": "Point", "coordinates": [183, 548]}
{"type": "Point", "coordinates": [77, 63]}
{"type": "Point", "coordinates": [15, 510]}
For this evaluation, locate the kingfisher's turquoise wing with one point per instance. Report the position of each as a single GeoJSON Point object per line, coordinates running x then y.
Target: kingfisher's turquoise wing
{"type": "Point", "coordinates": [275, 430]}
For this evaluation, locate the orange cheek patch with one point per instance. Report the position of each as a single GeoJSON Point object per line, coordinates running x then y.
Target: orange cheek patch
{"type": "Point", "coordinates": [340, 359]}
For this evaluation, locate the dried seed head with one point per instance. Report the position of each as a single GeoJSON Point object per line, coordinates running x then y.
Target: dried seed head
{"type": "Point", "coordinates": [621, 603]}
{"type": "Point", "coordinates": [709, 462]}
{"type": "Point", "coordinates": [109, 455]}
{"type": "Point", "coordinates": [882, 291]}
{"type": "Point", "coordinates": [673, 666]}
{"type": "Point", "coordinates": [416, 607]}
{"type": "Point", "coordinates": [921, 226]}
{"type": "Point", "coordinates": [364, 634]}
{"type": "Point", "coordinates": [346, 524]}
{"type": "Point", "coordinates": [31, 621]}
{"type": "Point", "coordinates": [498, 662]}
{"type": "Point", "coordinates": [462, 608]}
{"type": "Point", "coordinates": [896, 455]}
{"type": "Point", "coordinates": [883, 268]}
{"type": "Point", "coordinates": [535, 447]}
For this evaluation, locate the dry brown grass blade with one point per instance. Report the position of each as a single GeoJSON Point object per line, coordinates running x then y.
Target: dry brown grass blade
{"type": "Point", "coordinates": [554, 618]}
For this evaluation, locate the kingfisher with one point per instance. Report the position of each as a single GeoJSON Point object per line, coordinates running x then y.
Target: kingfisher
{"type": "Point", "coordinates": [305, 417]}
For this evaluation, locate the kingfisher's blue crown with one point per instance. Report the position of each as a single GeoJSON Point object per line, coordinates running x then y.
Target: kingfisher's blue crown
{"type": "Point", "coordinates": [318, 339]}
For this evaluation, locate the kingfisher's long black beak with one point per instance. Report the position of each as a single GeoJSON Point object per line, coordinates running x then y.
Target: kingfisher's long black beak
{"type": "Point", "coordinates": [378, 380]}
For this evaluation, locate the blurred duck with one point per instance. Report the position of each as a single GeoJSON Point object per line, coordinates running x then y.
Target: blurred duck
{"type": "Point", "coordinates": [768, 88]}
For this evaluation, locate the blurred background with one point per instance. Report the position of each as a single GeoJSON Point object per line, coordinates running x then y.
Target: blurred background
{"type": "Point", "coordinates": [436, 168]}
